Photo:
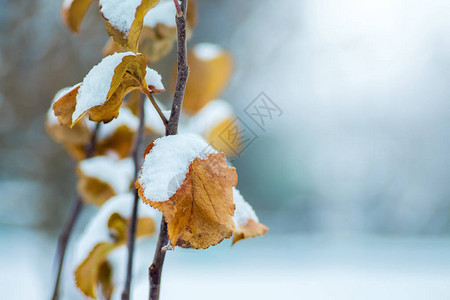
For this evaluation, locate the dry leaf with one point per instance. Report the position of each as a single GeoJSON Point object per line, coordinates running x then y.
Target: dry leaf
{"type": "Point", "coordinates": [73, 139]}
{"type": "Point", "coordinates": [102, 91]}
{"type": "Point", "coordinates": [73, 12]}
{"type": "Point", "coordinates": [199, 214]}
{"type": "Point", "coordinates": [92, 270]}
{"type": "Point", "coordinates": [106, 232]}
{"type": "Point", "coordinates": [124, 20]}
{"type": "Point", "coordinates": [88, 273]}
{"type": "Point", "coordinates": [102, 177]}
{"type": "Point", "coordinates": [116, 138]}
{"type": "Point", "coordinates": [217, 124]}
{"type": "Point", "coordinates": [246, 221]}
{"type": "Point", "coordinates": [210, 71]}
{"type": "Point", "coordinates": [159, 31]}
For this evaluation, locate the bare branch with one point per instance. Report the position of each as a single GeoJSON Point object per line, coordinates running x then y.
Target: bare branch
{"type": "Point", "coordinates": [137, 147]}
{"type": "Point", "coordinates": [155, 269]}
{"type": "Point", "coordinates": [76, 206]}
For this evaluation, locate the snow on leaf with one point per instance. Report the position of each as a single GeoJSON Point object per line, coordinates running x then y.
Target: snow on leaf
{"type": "Point", "coordinates": [72, 139]}
{"type": "Point", "coordinates": [102, 177]}
{"type": "Point", "coordinates": [124, 20]}
{"type": "Point", "coordinates": [106, 232]}
{"type": "Point", "coordinates": [170, 157]}
{"type": "Point", "coordinates": [245, 219]}
{"type": "Point", "coordinates": [210, 70]}
{"type": "Point", "coordinates": [159, 31]}
{"type": "Point", "coordinates": [73, 12]}
{"type": "Point", "coordinates": [215, 122]}
{"type": "Point", "coordinates": [101, 93]}
{"type": "Point", "coordinates": [116, 138]}
{"type": "Point", "coordinates": [192, 187]}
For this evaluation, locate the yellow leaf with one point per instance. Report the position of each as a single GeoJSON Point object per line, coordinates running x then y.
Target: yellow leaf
{"type": "Point", "coordinates": [105, 280]}
{"type": "Point", "coordinates": [216, 122]}
{"type": "Point", "coordinates": [65, 106]}
{"type": "Point", "coordinates": [93, 190]}
{"type": "Point", "coordinates": [102, 177]}
{"type": "Point", "coordinates": [200, 213]}
{"type": "Point", "coordinates": [118, 74]}
{"type": "Point", "coordinates": [73, 12]}
{"type": "Point", "coordinates": [210, 71]}
{"type": "Point", "coordinates": [249, 230]}
{"type": "Point", "coordinates": [95, 269]}
{"type": "Point", "coordinates": [246, 221]}
{"type": "Point", "coordinates": [87, 274]}
{"type": "Point", "coordinates": [157, 40]}
{"type": "Point", "coordinates": [225, 137]}
{"type": "Point", "coordinates": [123, 27]}
{"type": "Point", "coordinates": [73, 139]}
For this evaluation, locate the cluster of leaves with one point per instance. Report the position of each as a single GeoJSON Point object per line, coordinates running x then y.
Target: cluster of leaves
{"type": "Point", "coordinates": [202, 207]}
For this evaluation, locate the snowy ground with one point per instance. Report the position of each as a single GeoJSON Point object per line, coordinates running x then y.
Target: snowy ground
{"type": "Point", "coordinates": [299, 267]}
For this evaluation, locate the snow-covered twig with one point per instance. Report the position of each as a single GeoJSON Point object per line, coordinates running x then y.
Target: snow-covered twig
{"type": "Point", "coordinates": [76, 206]}
{"type": "Point", "coordinates": [137, 149]}
{"type": "Point", "coordinates": [171, 129]}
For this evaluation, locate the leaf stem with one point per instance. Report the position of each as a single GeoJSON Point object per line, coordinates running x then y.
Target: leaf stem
{"type": "Point", "coordinates": [155, 269]}
{"type": "Point", "coordinates": [137, 147]}
{"type": "Point", "coordinates": [156, 106]}
{"type": "Point", "coordinates": [76, 206]}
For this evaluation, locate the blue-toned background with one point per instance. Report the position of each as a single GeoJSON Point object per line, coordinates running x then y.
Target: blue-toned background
{"type": "Point", "coordinates": [352, 178]}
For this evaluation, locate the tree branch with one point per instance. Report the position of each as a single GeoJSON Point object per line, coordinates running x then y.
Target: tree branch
{"type": "Point", "coordinates": [137, 147]}
{"type": "Point", "coordinates": [76, 206]}
{"type": "Point", "coordinates": [155, 269]}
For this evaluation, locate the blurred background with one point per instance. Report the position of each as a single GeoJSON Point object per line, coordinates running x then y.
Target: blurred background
{"type": "Point", "coordinates": [351, 174]}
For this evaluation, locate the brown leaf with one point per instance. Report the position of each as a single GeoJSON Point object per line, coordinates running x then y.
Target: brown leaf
{"type": "Point", "coordinates": [127, 37]}
{"type": "Point", "coordinates": [93, 190]}
{"type": "Point", "coordinates": [73, 139]}
{"type": "Point", "coordinates": [65, 106]}
{"type": "Point", "coordinates": [73, 13]}
{"type": "Point", "coordinates": [246, 221]}
{"type": "Point", "coordinates": [105, 274]}
{"type": "Point", "coordinates": [249, 230]}
{"type": "Point", "coordinates": [95, 269]}
{"type": "Point", "coordinates": [225, 137]}
{"type": "Point", "coordinates": [102, 177]}
{"type": "Point", "coordinates": [157, 41]}
{"type": "Point", "coordinates": [120, 142]}
{"type": "Point", "coordinates": [87, 274]}
{"type": "Point", "coordinates": [103, 105]}
{"type": "Point", "coordinates": [210, 71]}
{"type": "Point", "coordinates": [200, 213]}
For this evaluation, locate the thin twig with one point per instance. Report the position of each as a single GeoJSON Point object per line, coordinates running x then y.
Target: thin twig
{"type": "Point", "coordinates": [76, 206]}
{"type": "Point", "coordinates": [156, 106]}
{"type": "Point", "coordinates": [182, 72]}
{"type": "Point", "coordinates": [137, 147]}
{"type": "Point", "coordinates": [155, 269]}
{"type": "Point", "coordinates": [178, 8]}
